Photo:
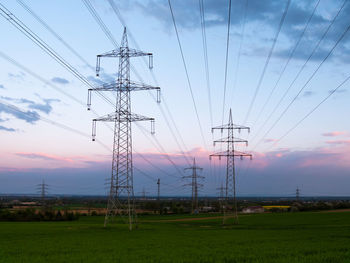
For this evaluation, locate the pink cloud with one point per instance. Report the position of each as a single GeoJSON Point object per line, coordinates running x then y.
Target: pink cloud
{"type": "Point", "coordinates": [269, 140]}
{"type": "Point", "coordinates": [44, 156]}
{"type": "Point", "coordinates": [334, 134]}
{"type": "Point", "coordinates": [339, 142]}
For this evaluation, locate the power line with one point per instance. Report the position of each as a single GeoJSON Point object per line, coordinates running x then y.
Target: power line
{"type": "Point", "coordinates": [57, 124]}
{"type": "Point", "coordinates": [160, 148]}
{"type": "Point", "coordinates": [57, 36]}
{"type": "Point", "coordinates": [105, 29]}
{"type": "Point", "coordinates": [267, 60]}
{"type": "Point", "coordinates": [240, 48]}
{"type": "Point", "coordinates": [186, 71]}
{"type": "Point", "coordinates": [302, 67]}
{"type": "Point", "coordinates": [288, 60]}
{"type": "Point", "coordinates": [11, 18]}
{"type": "Point", "coordinates": [306, 83]}
{"type": "Point", "coordinates": [38, 41]}
{"type": "Point", "coordinates": [313, 110]}
{"type": "Point", "coordinates": [206, 62]}
{"type": "Point", "coordinates": [70, 129]}
{"type": "Point", "coordinates": [226, 58]}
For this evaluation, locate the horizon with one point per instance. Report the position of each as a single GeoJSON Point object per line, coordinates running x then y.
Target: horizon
{"type": "Point", "coordinates": [301, 141]}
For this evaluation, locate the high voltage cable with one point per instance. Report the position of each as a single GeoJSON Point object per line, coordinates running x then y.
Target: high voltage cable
{"type": "Point", "coordinates": [57, 124]}
{"type": "Point", "coordinates": [306, 83]}
{"type": "Point", "coordinates": [5, 13]}
{"type": "Point", "coordinates": [100, 22]}
{"type": "Point", "coordinates": [267, 61]}
{"type": "Point", "coordinates": [206, 62]}
{"type": "Point", "coordinates": [157, 144]}
{"type": "Point", "coordinates": [156, 167]}
{"type": "Point", "coordinates": [44, 24]}
{"type": "Point", "coordinates": [68, 128]}
{"type": "Point", "coordinates": [111, 38]}
{"type": "Point", "coordinates": [240, 48]}
{"type": "Point", "coordinates": [302, 68]}
{"type": "Point", "coordinates": [312, 111]}
{"type": "Point", "coordinates": [105, 29]}
{"type": "Point", "coordinates": [122, 21]}
{"type": "Point", "coordinates": [187, 76]}
{"type": "Point", "coordinates": [12, 61]}
{"type": "Point", "coordinates": [226, 57]}
{"type": "Point", "coordinates": [288, 60]}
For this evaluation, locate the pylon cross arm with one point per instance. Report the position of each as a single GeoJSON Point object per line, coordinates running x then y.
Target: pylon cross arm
{"type": "Point", "coordinates": [123, 52]}
{"type": "Point", "coordinates": [124, 117]}
{"type": "Point", "coordinates": [230, 126]}
{"type": "Point", "coordinates": [230, 154]}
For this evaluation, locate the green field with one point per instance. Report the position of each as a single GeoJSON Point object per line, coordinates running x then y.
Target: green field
{"type": "Point", "coordinates": [280, 237]}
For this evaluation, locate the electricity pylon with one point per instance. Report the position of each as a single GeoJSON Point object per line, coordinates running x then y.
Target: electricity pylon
{"type": "Point", "coordinates": [158, 196]}
{"type": "Point", "coordinates": [158, 188]}
{"type": "Point", "coordinates": [297, 194]}
{"type": "Point", "coordinates": [194, 184]}
{"type": "Point", "coordinates": [222, 191]}
{"type": "Point", "coordinates": [143, 194]}
{"type": "Point", "coordinates": [230, 155]}
{"type": "Point", "coordinates": [121, 193]}
{"type": "Point", "coordinates": [42, 189]}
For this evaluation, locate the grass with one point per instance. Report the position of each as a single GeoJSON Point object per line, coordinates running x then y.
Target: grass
{"type": "Point", "coordinates": [280, 237]}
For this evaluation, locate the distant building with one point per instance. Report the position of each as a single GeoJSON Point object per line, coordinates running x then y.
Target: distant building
{"type": "Point", "coordinates": [253, 209]}
{"type": "Point", "coordinates": [207, 209]}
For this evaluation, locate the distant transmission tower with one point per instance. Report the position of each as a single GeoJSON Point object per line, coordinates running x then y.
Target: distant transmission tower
{"type": "Point", "coordinates": [222, 191]}
{"type": "Point", "coordinates": [194, 184]}
{"type": "Point", "coordinates": [121, 193]}
{"type": "Point", "coordinates": [42, 189]}
{"type": "Point", "coordinates": [158, 195]}
{"type": "Point", "coordinates": [297, 194]}
{"type": "Point", "coordinates": [230, 154]}
{"type": "Point", "coordinates": [143, 194]}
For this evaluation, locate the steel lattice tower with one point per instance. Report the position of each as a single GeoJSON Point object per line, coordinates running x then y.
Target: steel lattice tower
{"type": "Point", "coordinates": [194, 184]}
{"type": "Point", "coordinates": [42, 189]}
{"type": "Point", "coordinates": [121, 193]}
{"type": "Point", "coordinates": [230, 154]}
{"type": "Point", "coordinates": [297, 194]}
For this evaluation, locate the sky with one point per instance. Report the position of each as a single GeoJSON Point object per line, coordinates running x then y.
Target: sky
{"type": "Point", "coordinates": [275, 81]}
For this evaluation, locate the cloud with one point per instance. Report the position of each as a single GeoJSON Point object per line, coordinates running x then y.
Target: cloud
{"type": "Point", "coordinates": [43, 156]}
{"type": "Point", "coordinates": [334, 133]}
{"type": "Point", "coordinates": [264, 15]}
{"type": "Point", "coordinates": [19, 76]}
{"type": "Point", "coordinates": [103, 77]}
{"type": "Point", "coordinates": [338, 91]}
{"type": "Point", "coordinates": [308, 94]}
{"type": "Point", "coordinates": [339, 142]}
{"type": "Point", "coordinates": [269, 140]}
{"type": "Point", "coordinates": [7, 129]}
{"type": "Point", "coordinates": [28, 116]}
{"type": "Point", "coordinates": [44, 107]}
{"type": "Point", "coordinates": [60, 80]}
{"type": "Point", "coordinates": [2, 87]}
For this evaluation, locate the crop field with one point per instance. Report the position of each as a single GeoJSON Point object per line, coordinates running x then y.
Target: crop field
{"type": "Point", "coordinates": [270, 237]}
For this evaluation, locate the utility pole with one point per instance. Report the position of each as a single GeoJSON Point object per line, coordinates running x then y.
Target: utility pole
{"type": "Point", "coordinates": [121, 193]}
{"type": "Point", "coordinates": [297, 194]}
{"type": "Point", "coordinates": [194, 184]}
{"type": "Point", "coordinates": [230, 155]}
